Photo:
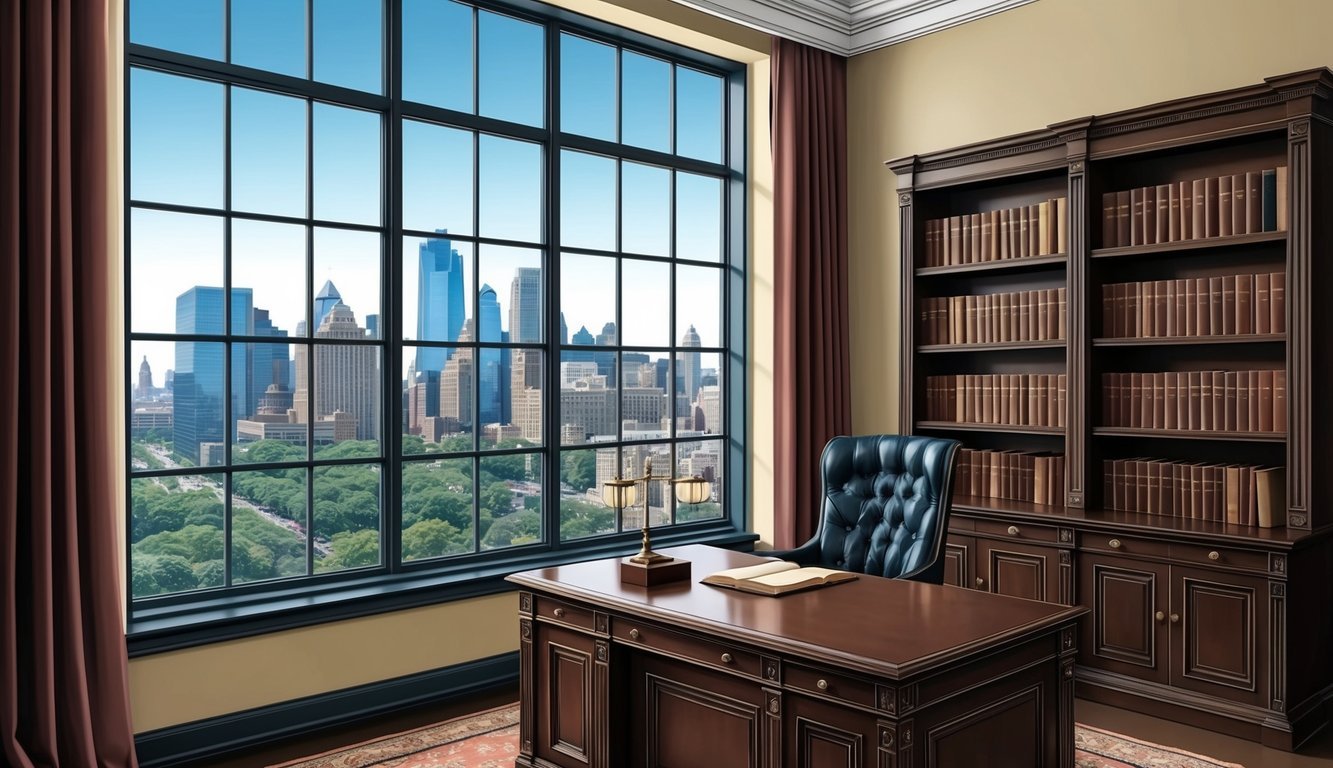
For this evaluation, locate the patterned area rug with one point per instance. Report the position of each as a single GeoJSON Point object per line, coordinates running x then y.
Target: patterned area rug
{"type": "Point", "coordinates": [490, 740]}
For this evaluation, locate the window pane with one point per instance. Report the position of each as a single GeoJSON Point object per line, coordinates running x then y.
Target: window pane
{"type": "Point", "coordinates": [698, 115]}
{"type": "Point", "coordinates": [347, 165]}
{"type": "Point", "coordinates": [587, 201]}
{"type": "Point", "coordinates": [176, 129]}
{"type": "Point", "coordinates": [176, 534]}
{"type": "Point", "coordinates": [510, 385]}
{"type": "Point", "coordinates": [171, 253]}
{"type": "Point", "coordinates": [437, 508]}
{"type": "Point", "coordinates": [645, 209]}
{"type": "Point", "coordinates": [268, 525]}
{"type": "Point", "coordinates": [437, 178]}
{"type": "Point", "coordinates": [268, 153]}
{"type": "Point", "coordinates": [645, 102]}
{"type": "Point", "coordinates": [347, 43]}
{"type": "Point", "coordinates": [151, 373]}
{"type": "Point", "coordinates": [437, 294]}
{"type": "Point", "coordinates": [511, 189]}
{"type": "Point", "coordinates": [587, 88]}
{"type": "Point", "coordinates": [346, 407]}
{"type": "Point", "coordinates": [698, 217]}
{"type": "Point", "coordinates": [643, 403]}
{"type": "Point", "coordinates": [269, 34]}
{"type": "Point", "coordinates": [512, 69]}
{"type": "Point", "coordinates": [511, 310]}
{"type": "Point", "coordinates": [268, 260]}
{"type": "Point", "coordinates": [197, 394]}
{"type": "Point", "coordinates": [346, 517]}
{"type": "Point", "coordinates": [347, 271]}
{"type": "Point", "coordinates": [186, 27]}
{"type": "Point", "coordinates": [437, 53]}
{"type": "Point", "coordinates": [582, 512]}
{"type": "Point", "coordinates": [698, 388]}
{"type": "Point", "coordinates": [698, 306]}
{"type": "Point", "coordinates": [268, 428]}
{"type": "Point", "coordinates": [702, 459]}
{"type": "Point", "coordinates": [588, 297]}
{"type": "Point", "coordinates": [509, 495]}
{"type": "Point", "coordinates": [438, 403]}
{"type": "Point", "coordinates": [645, 287]}
{"type": "Point", "coordinates": [587, 398]}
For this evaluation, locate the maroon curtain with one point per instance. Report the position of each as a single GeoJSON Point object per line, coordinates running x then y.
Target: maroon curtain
{"type": "Point", "coordinates": [63, 694]}
{"type": "Point", "coordinates": [811, 370]}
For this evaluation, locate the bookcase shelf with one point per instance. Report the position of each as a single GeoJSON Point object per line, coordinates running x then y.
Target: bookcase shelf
{"type": "Point", "coordinates": [995, 346]}
{"type": "Point", "coordinates": [1174, 341]}
{"type": "Point", "coordinates": [1186, 246]}
{"type": "Point", "coordinates": [1228, 583]}
{"type": "Point", "coordinates": [1001, 265]}
{"type": "Point", "coordinates": [1192, 434]}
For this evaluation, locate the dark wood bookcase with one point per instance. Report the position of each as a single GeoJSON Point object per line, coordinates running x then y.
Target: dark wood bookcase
{"type": "Point", "coordinates": [1217, 624]}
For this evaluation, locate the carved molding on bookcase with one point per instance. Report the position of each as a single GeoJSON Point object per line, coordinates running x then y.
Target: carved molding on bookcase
{"type": "Point", "coordinates": [1076, 166]}
{"type": "Point", "coordinates": [1277, 564]}
{"type": "Point", "coordinates": [1183, 117]}
{"type": "Point", "coordinates": [1299, 520]}
{"type": "Point", "coordinates": [525, 603]}
{"type": "Point", "coordinates": [952, 162]}
{"type": "Point", "coordinates": [1277, 588]}
{"type": "Point", "coordinates": [1298, 128]}
{"type": "Point", "coordinates": [905, 198]}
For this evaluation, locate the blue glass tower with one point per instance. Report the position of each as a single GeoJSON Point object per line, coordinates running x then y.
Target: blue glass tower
{"type": "Point", "coordinates": [200, 372]}
{"type": "Point", "coordinates": [327, 298]}
{"type": "Point", "coordinates": [269, 363]}
{"type": "Point", "coordinates": [440, 307]}
{"type": "Point", "coordinates": [490, 371]}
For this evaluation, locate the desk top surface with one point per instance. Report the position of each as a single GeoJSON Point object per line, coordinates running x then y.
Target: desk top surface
{"type": "Point", "coordinates": [888, 627]}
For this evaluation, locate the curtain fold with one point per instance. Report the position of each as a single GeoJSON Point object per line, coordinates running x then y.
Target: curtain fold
{"type": "Point", "coordinates": [812, 391]}
{"type": "Point", "coordinates": [63, 667]}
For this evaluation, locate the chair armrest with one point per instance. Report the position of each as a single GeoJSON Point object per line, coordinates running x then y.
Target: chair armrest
{"type": "Point", "coordinates": [806, 554]}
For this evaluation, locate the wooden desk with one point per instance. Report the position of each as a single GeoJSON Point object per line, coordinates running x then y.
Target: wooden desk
{"type": "Point", "coordinates": [873, 672]}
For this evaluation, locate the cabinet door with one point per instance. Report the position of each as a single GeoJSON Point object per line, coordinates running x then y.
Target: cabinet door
{"type": "Point", "coordinates": [958, 560]}
{"type": "Point", "coordinates": [1220, 634]}
{"type": "Point", "coordinates": [1020, 569]}
{"type": "Point", "coordinates": [1126, 630]}
{"type": "Point", "coordinates": [694, 716]}
{"type": "Point", "coordinates": [566, 697]}
{"type": "Point", "coordinates": [823, 735]}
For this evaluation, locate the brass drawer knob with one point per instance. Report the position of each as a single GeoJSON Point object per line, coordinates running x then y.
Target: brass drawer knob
{"type": "Point", "coordinates": [1114, 543]}
{"type": "Point", "coordinates": [634, 634]}
{"type": "Point", "coordinates": [1013, 530]}
{"type": "Point", "coordinates": [1175, 618]}
{"type": "Point", "coordinates": [726, 658]}
{"type": "Point", "coordinates": [1160, 616]}
{"type": "Point", "coordinates": [1214, 555]}
{"type": "Point", "coordinates": [559, 613]}
{"type": "Point", "coordinates": [822, 685]}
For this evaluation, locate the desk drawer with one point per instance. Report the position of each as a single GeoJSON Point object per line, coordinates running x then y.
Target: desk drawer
{"type": "Point", "coordinates": [1018, 531]}
{"type": "Point", "coordinates": [1114, 543]}
{"type": "Point", "coordinates": [564, 613]}
{"type": "Point", "coordinates": [821, 682]}
{"type": "Point", "coordinates": [1250, 560]}
{"type": "Point", "coordinates": [638, 634]}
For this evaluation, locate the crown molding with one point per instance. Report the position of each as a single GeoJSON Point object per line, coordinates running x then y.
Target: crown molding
{"type": "Point", "coordinates": [849, 27]}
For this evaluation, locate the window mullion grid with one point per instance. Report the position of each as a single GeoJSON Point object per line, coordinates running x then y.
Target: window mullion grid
{"type": "Point", "coordinates": [391, 287]}
{"type": "Point", "coordinates": [228, 396]}
{"type": "Point", "coordinates": [309, 338]}
{"type": "Point", "coordinates": [550, 293]}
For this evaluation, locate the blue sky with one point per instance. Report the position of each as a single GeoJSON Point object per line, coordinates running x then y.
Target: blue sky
{"type": "Point", "coordinates": [178, 134]}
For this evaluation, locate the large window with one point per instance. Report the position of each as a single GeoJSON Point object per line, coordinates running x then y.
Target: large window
{"type": "Point", "coordinates": [394, 316]}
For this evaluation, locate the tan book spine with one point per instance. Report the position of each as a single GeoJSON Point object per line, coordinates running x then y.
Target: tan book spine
{"type": "Point", "coordinates": [1062, 313]}
{"type": "Point", "coordinates": [1239, 206]}
{"type": "Point", "coordinates": [1244, 304]}
{"type": "Point", "coordinates": [1254, 201]}
{"type": "Point", "coordinates": [1270, 487]}
{"type": "Point", "coordinates": [1024, 224]}
{"type": "Point", "coordinates": [956, 240]}
{"type": "Point", "coordinates": [1232, 491]}
{"type": "Point", "coordinates": [1044, 228]}
{"type": "Point", "coordinates": [1281, 198]}
{"type": "Point", "coordinates": [1059, 210]}
{"type": "Point", "coordinates": [1210, 212]}
{"type": "Point", "coordinates": [1279, 401]}
{"type": "Point", "coordinates": [1201, 313]}
{"type": "Point", "coordinates": [1171, 329]}
{"type": "Point", "coordinates": [1224, 206]}
{"type": "Point", "coordinates": [988, 414]}
{"type": "Point", "coordinates": [975, 231]}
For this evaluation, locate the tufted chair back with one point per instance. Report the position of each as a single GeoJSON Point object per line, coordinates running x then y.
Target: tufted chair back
{"type": "Point", "coordinates": [886, 507]}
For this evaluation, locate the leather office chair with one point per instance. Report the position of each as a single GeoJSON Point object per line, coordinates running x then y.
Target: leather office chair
{"type": "Point", "coordinates": [886, 507]}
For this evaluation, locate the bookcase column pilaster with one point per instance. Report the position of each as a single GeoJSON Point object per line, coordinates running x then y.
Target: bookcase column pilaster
{"type": "Point", "coordinates": [1299, 280]}
{"type": "Point", "coordinates": [1078, 342]}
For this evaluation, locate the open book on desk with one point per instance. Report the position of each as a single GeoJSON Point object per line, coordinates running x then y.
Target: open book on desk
{"type": "Point", "coordinates": [776, 577]}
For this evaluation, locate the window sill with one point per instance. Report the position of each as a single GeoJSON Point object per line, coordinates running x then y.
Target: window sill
{"type": "Point", "coordinates": [159, 628]}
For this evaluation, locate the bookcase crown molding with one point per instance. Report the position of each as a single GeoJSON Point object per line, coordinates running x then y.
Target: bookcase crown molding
{"type": "Point", "coordinates": [849, 27]}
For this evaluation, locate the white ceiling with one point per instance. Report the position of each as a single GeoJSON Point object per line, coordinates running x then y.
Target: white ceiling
{"type": "Point", "coordinates": [849, 27]}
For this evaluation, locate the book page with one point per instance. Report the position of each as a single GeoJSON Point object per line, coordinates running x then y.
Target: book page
{"type": "Point", "coordinates": [751, 571]}
{"type": "Point", "coordinates": [796, 576]}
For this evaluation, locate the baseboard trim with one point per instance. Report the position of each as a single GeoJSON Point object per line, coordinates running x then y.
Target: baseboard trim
{"type": "Point", "coordinates": [179, 744]}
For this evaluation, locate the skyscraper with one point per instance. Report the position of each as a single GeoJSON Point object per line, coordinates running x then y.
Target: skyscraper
{"type": "Point", "coordinates": [525, 373]}
{"type": "Point", "coordinates": [689, 365]}
{"type": "Point", "coordinates": [456, 386]}
{"type": "Point", "coordinates": [606, 361]}
{"type": "Point", "coordinates": [440, 300]}
{"type": "Point", "coordinates": [346, 375]}
{"type": "Point", "coordinates": [268, 362]}
{"type": "Point", "coordinates": [325, 300]}
{"type": "Point", "coordinates": [199, 388]}
{"type": "Point", "coordinates": [490, 366]}
{"type": "Point", "coordinates": [145, 388]}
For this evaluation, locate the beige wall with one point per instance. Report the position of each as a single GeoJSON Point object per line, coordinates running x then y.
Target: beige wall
{"type": "Point", "coordinates": [179, 687]}
{"type": "Point", "coordinates": [1017, 71]}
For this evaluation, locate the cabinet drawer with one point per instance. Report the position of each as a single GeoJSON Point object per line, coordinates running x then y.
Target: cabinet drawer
{"type": "Point", "coordinates": [651, 637]}
{"type": "Point", "coordinates": [564, 613]}
{"type": "Point", "coordinates": [1117, 544]}
{"type": "Point", "coordinates": [820, 682]}
{"type": "Point", "coordinates": [1248, 559]}
{"type": "Point", "coordinates": [1018, 531]}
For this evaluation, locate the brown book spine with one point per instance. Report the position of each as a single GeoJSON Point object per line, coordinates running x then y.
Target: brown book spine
{"type": "Point", "coordinates": [1277, 302]}
{"type": "Point", "coordinates": [1210, 211]}
{"type": "Point", "coordinates": [1215, 306]}
{"type": "Point", "coordinates": [1199, 208]}
{"type": "Point", "coordinates": [1148, 310]}
{"type": "Point", "coordinates": [1244, 304]}
{"type": "Point", "coordinates": [1190, 317]}
{"type": "Point", "coordinates": [1265, 399]}
{"type": "Point", "coordinates": [1158, 400]}
{"type": "Point", "coordinates": [1239, 206]}
{"type": "Point", "coordinates": [1173, 223]}
{"type": "Point", "coordinates": [1024, 224]}
{"type": "Point", "coordinates": [1224, 206]}
{"type": "Point", "coordinates": [1062, 312]}
{"type": "Point", "coordinates": [1136, 199]}
{"type": "Point", "coordinates": [1185, 193]}
{"type": "Point", "coordinates": [1220, 400]}
{"type": "Point", "coordinates": [1195, 397]}
{"type": "Point", "coordinates": [1237, 381]}
{"type": "Point", "coordinates": [1149, 222]}
{"type": "Point", "coordinates": [1254, 201]}
{"type": "Point", "coordinates": [1059, 210]}
{"type": "Point", "coordinates": [1162, 225]}
{"type": "Point", "coordinates": [1169, 396]}
{"type": "Point", "coordinates": [1229, 305]}
{"type": "Point", "coordinates": [1108, 221]}
{"type": "Point", "coordinates": [1034, 229]}
{"type": "Point", "coordinates": [1201, 313]}
{"type": "Point", "coordinates": [956, 240]}
{"type": "Point", "coordinates": [1172, 310]}
{"type": "Point", "coordinates": [1206, 401]}
{"type": "Point", "coordinates": [1279, 401]}
{"type": "Point", "coordinates": [1124, 218]}
{"type": "Point", "coordinates": [1263, 321]}
{"type": "Point", "coordinates": [1252, 398]}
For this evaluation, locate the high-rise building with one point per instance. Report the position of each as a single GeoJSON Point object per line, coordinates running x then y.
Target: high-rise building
{"type": "Point", "coordinates": [689, 365]}
{"type": "Point", "coordinates": [423, 400]}
{"type": "Point", "coordinates": [710, 402]}
{"type": "Point", "coordinates": [606, 361]}
{"type": "Point", "coordinates": [145, 389]}
{"type": "Point", "coordinates": [268, 362]}
{"type": "Point", "coordinates": [490, 362]}
{"type": "Point", "coordinates": [327, 298]}
{"type": "Point", "coordinates": [525, 370]}
{"type": "Point", "coordinates": [346, 377]}
{"type": "Point", "coordinates": [200, 372]}
{"type": "Point", "coordinates": [456, 385]}
{"type": "Point", "coordinates": [441, 307]}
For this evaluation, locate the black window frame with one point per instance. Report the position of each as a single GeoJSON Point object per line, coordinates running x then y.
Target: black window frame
{"type": "Point", "coordinates": [199, 617]}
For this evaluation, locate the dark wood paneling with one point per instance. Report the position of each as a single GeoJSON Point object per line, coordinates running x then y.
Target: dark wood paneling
{"type": "Point", "coordinates": [828, 736]}
{"type": "Point", "coordinates": [1020, 570]}
{"type": "Point", "coordinates": [1129, 606]}
{"type": "Point", "coordinates": [1220, 622]}
{"type": "Point", "coordinates": [958, 561]}
{"type": "Point", "coordinates": [563, 692]}
{"type": "Point", "coordinates": [691, 717]}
